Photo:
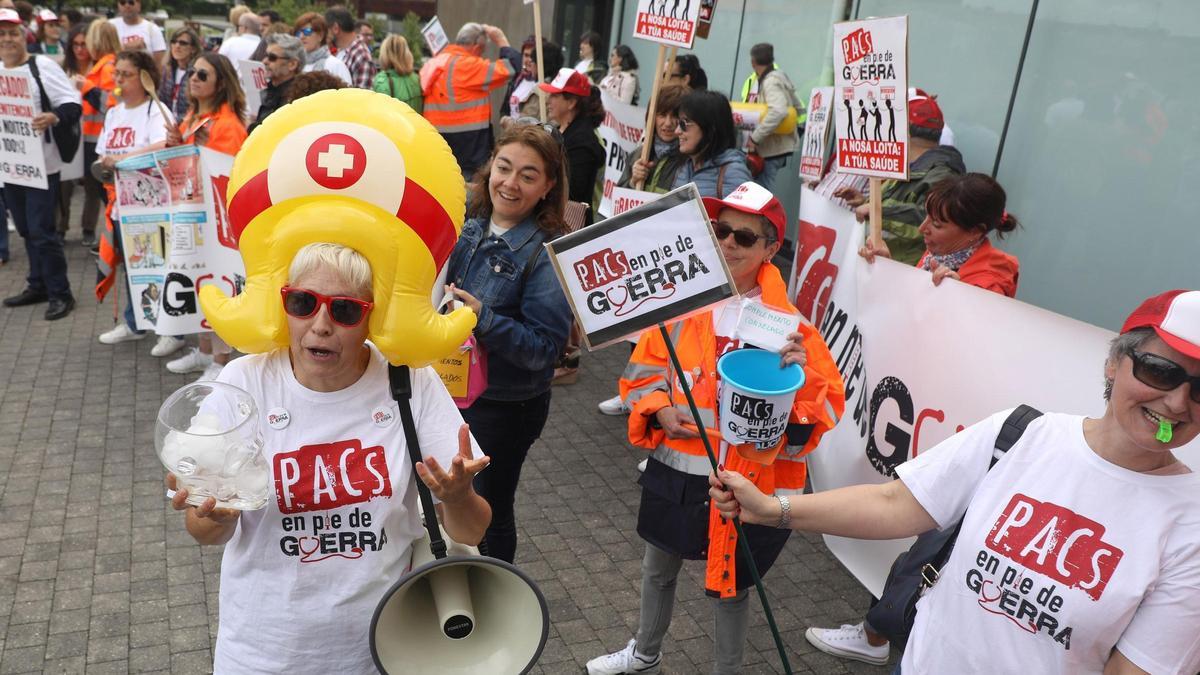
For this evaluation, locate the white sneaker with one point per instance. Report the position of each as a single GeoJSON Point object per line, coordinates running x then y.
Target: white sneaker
{"type": "Point", "coordinates": [614, 406]}
{"type": "Point", "coordinates": [849, 642]}
{"type": "Point", "coordinates": [210, 373]}
{"type": "Point", "coordinates": [625, 661]}
{"type": "Point", "coordinates": [167, 345]}
{"type": "Point", "coordinates": [119, 333]}
{"type": "Point", "coordinates": [192, 362]}
{"type": "Point", "coordinates": [642, 465]}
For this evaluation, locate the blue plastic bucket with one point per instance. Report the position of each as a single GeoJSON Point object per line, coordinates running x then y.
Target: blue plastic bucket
{"type": "Point", "coordinates": [756, 396]}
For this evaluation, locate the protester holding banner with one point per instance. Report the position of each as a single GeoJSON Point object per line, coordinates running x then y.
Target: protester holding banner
{"type": "Point", "coordinates": [622, 80]}
{"type": "Point", "coordinates": [311, 29]}
{"type": "Point", "coordinates": [675, 518]}
{"type": "Point", "coordinates": [903, 202]}
{"type": "Point", "coordinates": [135, 125]}
{"type": "Point", "coordinates": [274, 609]}
{"type": "Point", "coordinates": [708, 139]}
{"type": "Point", "coordinates": [498, 269]}
{"type": "Point", "coordinates": [575, 107]}
{"type": "Point", "coordinates": [657, 174]}
{"type": "Point", "coordinates": [960, 213]}
{"type": "Point", "coordinates": [396, 77]}
{"type": "Point", "coordinates": [97, 88]}
{"type": "Point", "coordinates": [173, 89]}
{"type": "Point", "coordinates": [33, 209]}
{"type": "Point", "coordinates": [283, 61]}
{"type": "Point", "coordinates": [1085, 534]}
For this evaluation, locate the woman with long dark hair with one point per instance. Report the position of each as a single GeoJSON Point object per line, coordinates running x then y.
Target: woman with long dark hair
{"type": "Point", "coordinates": [709, 141]}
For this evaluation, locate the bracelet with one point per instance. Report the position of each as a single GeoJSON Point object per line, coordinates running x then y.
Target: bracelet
{"type": "Point", "coordinates": [785, 512]}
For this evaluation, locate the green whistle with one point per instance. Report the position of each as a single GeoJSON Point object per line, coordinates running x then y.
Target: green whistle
{"type": "Point", "coordinates": [1164, 432]}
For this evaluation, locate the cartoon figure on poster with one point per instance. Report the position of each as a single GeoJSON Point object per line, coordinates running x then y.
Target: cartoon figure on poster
{"type": "Point", "coordinates": [146, 250]}
{"type": "Point", "coordinates": [183, 175]}
{"type": "Point", "coordinates": [151, 295]}
{"type": "Point", "coordinates": [141, 189]}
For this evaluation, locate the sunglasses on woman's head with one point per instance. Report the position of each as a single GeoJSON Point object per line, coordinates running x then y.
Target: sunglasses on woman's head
{"type": "Point", "coordinates": [1163, 374]}
{"type": "Point", "coordinates": [344, 311]}
{"type": "Point", "coordinates": [743, 237]}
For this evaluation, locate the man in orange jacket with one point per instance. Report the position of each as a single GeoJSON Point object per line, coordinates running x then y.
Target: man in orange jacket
{"type": "Point", "coordinates": [675, 518]}
{"type": "Point", "coordinates": [456, 84]}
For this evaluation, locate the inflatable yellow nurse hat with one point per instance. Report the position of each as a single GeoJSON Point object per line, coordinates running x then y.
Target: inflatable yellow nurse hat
{"type": "Point", "coordinates": [360, 169]}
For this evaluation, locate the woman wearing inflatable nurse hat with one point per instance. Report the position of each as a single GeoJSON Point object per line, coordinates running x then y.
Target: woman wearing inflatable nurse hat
{"type": "Point", "coordinates": [674, 518]}
{"type": "Point", "coordinates": [1095, 521]}
{"type": "Point", "coordinates": [301, 577]}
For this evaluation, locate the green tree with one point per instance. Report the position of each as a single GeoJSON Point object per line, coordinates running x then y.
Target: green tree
{"type": "Point", "coordinates": [411, 31]}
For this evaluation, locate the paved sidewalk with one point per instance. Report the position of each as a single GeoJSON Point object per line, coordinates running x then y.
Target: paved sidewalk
{"type": "Point", "coordinates": [98, 575]}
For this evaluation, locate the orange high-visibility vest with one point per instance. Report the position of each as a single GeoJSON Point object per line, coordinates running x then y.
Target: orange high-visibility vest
{"type": "Point", "coordinates": [100, 76]}
{"type": "Point", "coordinates": [456, 84]}
{"type": "Point", "coordinates": [649, 384]}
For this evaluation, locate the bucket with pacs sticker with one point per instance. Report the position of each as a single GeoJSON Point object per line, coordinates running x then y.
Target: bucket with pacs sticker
{"type": "Point", "coordinates": [756, 396]}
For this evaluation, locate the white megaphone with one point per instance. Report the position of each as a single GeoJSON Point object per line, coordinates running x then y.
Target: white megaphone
{"type": "Point", "coordinates": [455, 612]}
{"type": "Point", "coordinates": [463, 613]}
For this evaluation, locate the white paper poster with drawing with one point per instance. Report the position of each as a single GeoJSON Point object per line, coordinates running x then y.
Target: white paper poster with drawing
{"type": "Point", "coordinates": [22, 153]}
{"type": "Point", "coordinates": [176, 235]}
{"type": "Point", "coordinates": [815, 148]}
{"type": "Point", "coordinates": [655, 263]}
{"type": "Point", "coordinates": [870, 78]}
{"type": "Point", "coordinates": [620, 132]}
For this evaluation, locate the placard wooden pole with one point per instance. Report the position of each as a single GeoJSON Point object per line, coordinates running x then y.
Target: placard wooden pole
{"type": "Point", "coordinates": [541, 69]}
{"type": "Point", "coordinates": [876, 212]}
{"type": "Point", "coordinates": [666, 71]}
{"type": "Point", "coordinates": [648, 133]}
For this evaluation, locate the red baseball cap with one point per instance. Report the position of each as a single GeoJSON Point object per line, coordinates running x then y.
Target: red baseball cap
{"type": "Point", "coordinates": [924, 112]}
{"type": "Point", "coordinates": [1174, 316]}
{"type": "Point", "coordinates": [46, 16]}
{"type": "Point", "coordinates": [750, 198]}
{"type": "Point", "coordinates": [568, 81]}
{"type": "Point", "coordinates": [10, 16]}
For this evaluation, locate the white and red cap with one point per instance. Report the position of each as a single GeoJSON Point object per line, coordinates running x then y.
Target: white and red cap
{"type": "Point", "coordinates": [46, 16]}
{"type": "Point", "coordinates": [10, 16]}
{"type": "Point", "coordinates": [750, 198]}
{"type": "Point", "coordinates": [568, 81]}
{"type": "Point", "coordinates": [1174, 316]}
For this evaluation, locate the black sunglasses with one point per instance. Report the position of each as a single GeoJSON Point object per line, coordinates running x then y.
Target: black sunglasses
{"type": "Point", "coordinates": [683, 123]}
{"type": "Point", "coordinates": [344, 311]}
{"type": "Point", "coordinates": [183, 43]}
{"type": "Point", "coordinates": [744, 238]}
{"type": "Point", "coordinates": [201, 75]}
{"type": "Point", "coordinates": [1163, 374]}
{"type": "Point", "coordinates": [127, 2]}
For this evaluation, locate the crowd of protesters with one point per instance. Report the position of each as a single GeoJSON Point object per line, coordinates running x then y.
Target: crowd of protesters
{"type": "Point", "coordinates": [537, 181]}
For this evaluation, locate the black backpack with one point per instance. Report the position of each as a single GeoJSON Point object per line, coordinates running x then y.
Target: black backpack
{"type": "Point", "coordinates": [67, 132]}
{"type": "Point", "coordinates": [917, 568]}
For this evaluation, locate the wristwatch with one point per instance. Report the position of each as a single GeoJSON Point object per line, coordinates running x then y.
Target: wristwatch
{"type": "Point", "coordinates": [785, 512]}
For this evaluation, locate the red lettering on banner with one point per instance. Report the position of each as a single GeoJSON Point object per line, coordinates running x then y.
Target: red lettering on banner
{"type": "Point", "coordinates": [881, 156]}
{"type": "Point", "coordinates": [330, 475]}
{"type": "Point", "coordinates": [602, 268]}
{"type": "Point", "coordinates": [816, 274]}
{"type": "Point", "coordinates": [119, 139]}
{"type": "Point", "coordinates": [857, 45]}
{"type": "Point", "coordinates": [664, 27]}
{"type": "Point", "coordinates": [225, 233]}
{"type": "Point", "coordinates": [1056, 542]}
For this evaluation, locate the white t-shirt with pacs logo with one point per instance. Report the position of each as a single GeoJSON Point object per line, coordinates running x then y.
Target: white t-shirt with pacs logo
{"type": "Point", "coordinates": [301, 578]}
{"type": "Point", "coordinates": [1062, 556]}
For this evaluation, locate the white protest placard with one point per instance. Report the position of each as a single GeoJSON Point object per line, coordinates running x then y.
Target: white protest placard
{"type": "Point", "coordinates": [674, 26]}
{"type": "Point", "coordinates": [22, 154]}
{"type": "Point", "coordinates": [653, 264]}
{"type": "Point", "coordinates": [870, 79]}
{"type": "Point", "coordinates": [176, 235]}
{"type": "Point", "coordinates": [764, 327]}
{"type": "Point", "coordinates": [620, 132]}
{"type": "Point", "coordinates": [254, 79]}
{"type": "Point", "coordinates": [816, 134]}
{"type": "Point", "coordinates": [627, 199]}
{"type": "Point", "coordinates": [435, 36]}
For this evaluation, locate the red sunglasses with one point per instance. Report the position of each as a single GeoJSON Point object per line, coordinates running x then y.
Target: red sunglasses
{"type": "Point", "coordinates": [302, 303]}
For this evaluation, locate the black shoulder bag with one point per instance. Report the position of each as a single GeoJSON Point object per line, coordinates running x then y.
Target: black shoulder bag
{"type": "Point", "coordinates": [67, 132]}
{"type": "Point", "coordinates": [917, 568]}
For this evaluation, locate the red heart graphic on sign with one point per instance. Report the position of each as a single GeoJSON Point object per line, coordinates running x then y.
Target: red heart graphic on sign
{"type": "Point", "coordinates": [622, 292]}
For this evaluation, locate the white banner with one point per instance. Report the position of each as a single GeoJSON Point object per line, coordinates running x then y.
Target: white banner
{"type": "Point", "coordinates": [620, 132]}
{"type": "Point", "coordinates": [816, 134]}
{"type": "Point", "coordinates": [921, 362]}
{"type": "Point", "coordinates": [653, 264]}
{"type": "Point", "coordinates": [626, 199]}
{"type": "Point", "coordinates": [176, 235]}
{"type": "Point", "coordinates": [870, 78]}
{"type": "Point", "coordinates": [22, 153]}
{"type": "Point", "coordinates": [254, 79]}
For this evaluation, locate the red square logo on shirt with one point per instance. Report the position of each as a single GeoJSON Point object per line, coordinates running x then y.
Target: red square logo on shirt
{"type": "Point", "coordinates": [329, 476]}
{"type": "Point", "coordinates": [1056, 542]}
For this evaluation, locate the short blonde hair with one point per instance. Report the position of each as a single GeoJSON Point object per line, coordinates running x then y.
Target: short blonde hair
{"type": "Point", "coordinates": [347, 263]}
{"type": "Point", "coordinates": [102, 39]}
{"type": "Point", "coordinates": [236, 13]}
{"type": "Point", "coordinates": [394, 54]}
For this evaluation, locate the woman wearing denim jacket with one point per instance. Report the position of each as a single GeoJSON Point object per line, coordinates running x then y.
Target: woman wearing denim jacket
{"type": "Point", "coordinates": [499, 270]}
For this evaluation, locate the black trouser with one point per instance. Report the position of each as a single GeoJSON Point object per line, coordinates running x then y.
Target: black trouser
{"type": "Point", "coordinates": [504, 430]}
{"type": "Point", "coordinates": [33, 213]}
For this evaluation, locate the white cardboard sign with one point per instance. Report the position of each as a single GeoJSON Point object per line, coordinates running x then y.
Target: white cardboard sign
{"type": "Point", "coordinates": [627, 199]}
{"type": "Point", "coordinates": [764, 327]}
{"type": "Point", "coordinates": [816, 134]}
{"type": "Point", "coordinates": [666, 22]}
{"type": "Point", "coordinates": [653, 264]}
{"type": "Point", "coordinates": [22, 150]}
{"type": "Point", "coordinates": [620, 132]}
{"type": "Point", "coordinates": [435, 36]}
{"type": "Point", "coordinates": [870, 78]}
{"type": "Point", "coordinates": [254, 79]}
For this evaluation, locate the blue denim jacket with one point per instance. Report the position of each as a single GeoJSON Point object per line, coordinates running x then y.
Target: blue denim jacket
{"type": "Point", "coordinates": [525, 320]}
